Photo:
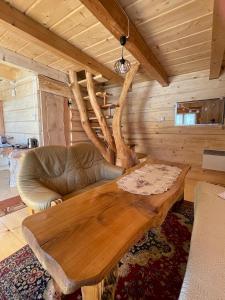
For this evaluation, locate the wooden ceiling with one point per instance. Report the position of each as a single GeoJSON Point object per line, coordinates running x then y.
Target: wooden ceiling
{"type": "Point", "coordinates": [11, 73]}
{"type": "Point", "coordinates": [178, 32]}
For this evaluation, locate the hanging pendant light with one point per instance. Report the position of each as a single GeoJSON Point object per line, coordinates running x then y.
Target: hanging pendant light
{"type": "Point", "coordinates": [122, 65]}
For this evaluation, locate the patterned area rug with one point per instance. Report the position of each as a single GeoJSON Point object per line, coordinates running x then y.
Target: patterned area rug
{"type": "Point", "coordinates": [153, 269]}
{"type": "Point", "coordinates": [10, 205]}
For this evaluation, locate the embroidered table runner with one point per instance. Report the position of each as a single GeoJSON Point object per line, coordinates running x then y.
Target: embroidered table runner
{"type": "Point", "coordinates": [150, 179]}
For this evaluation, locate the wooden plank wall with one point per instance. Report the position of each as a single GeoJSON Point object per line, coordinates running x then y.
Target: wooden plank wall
{"type": "Point", "coordinates": [149, 118]}
{"type": "Point", "coordinates": [55, 87]}
{"type": "Point", "coordinates": [21, 112]}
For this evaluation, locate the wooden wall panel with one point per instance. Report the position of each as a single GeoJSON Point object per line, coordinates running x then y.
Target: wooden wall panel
{"type": "Point", "coordinates": [148, 120]}
{"type": "Point", "coordinates": [21, 112]}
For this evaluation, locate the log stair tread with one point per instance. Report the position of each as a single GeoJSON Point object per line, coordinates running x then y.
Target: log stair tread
{"type": "Point", "coordinates": [95, 118]}
{"type": "Point", "coordinates": [98, 127]}
{"type": "Point", "coordinates": [99, 94]}
{"type": "Point", "coordinates": [106, 106]}
{"type": "Point", "coordinates": [98, 79]}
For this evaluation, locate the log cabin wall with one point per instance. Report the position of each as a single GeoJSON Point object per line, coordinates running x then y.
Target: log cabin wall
{"type": "Point", "coordinates": [21, 109]}
{"type": "Point", "coordinates": [53, 87]}
{"type": "Point", "coordinates": [148, 118]}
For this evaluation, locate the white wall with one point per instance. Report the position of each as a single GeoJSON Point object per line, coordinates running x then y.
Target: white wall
{"type": "Point", "coordinates": [21, 112]}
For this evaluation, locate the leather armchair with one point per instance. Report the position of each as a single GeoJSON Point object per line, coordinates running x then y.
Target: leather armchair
{"type": "Point", "coordinates": [56, 172]}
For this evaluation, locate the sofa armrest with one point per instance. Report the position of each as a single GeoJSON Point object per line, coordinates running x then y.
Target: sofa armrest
{"type": "Point", "coordinates": [35, 195]}
{"type": "Point", "coordinates": [110, 171]}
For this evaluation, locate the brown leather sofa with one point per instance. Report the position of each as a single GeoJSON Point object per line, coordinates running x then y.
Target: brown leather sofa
{"type": "Point", "coordinates": [57, 172]}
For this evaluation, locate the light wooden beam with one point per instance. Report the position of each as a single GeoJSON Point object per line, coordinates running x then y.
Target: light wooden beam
{"type": "Point", "coordinates": [35, 32]}
{"type": "Point", "coordinates": [218, 39]}
{"type": "Point", "coordinates": [112, 16]}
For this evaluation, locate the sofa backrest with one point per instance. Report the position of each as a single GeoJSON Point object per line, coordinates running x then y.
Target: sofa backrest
{"type": "Point", "coordinates": [63, 169]}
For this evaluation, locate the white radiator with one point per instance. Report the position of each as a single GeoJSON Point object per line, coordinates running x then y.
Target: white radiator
{"type": "Point", "coordinates": [214, 160]}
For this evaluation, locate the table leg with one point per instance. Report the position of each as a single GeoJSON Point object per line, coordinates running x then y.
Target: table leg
{"type": "Point", "coordinates": [31, 211]}
{"type": "Point", "coordinates": [93, 292]}
{"type": "Point", "coordinates": [52, 291]}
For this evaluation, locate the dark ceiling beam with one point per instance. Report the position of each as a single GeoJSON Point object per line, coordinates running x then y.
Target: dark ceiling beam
{"type": "Point", "coordinates": [218, 39]}
{"type": "Point", "coordinates": [112, 16]}
{"type": "Point", "coordinates": [35, 32]}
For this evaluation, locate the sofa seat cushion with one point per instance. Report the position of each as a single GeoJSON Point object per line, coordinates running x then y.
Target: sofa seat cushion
{"type": "Point", "coordinates": [87, 188]}
{"type": "Point", "coordinates": [205, 273]}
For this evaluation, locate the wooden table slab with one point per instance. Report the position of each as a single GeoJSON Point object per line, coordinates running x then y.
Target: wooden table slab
{"type": "Point", "coordinates": [79, 241]}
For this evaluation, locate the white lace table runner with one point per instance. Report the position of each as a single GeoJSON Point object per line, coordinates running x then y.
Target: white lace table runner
{"type": "Point", "coordinates": [150, 179]}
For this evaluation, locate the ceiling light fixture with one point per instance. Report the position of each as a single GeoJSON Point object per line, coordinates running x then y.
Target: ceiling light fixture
{"type": "Point", "coordinates": [122, 65]}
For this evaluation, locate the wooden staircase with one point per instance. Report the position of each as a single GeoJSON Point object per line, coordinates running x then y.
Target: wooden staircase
{"type": "Point", "coordinates": [107, 108]}
{"type": "Point", "coordinates": [100, 118]}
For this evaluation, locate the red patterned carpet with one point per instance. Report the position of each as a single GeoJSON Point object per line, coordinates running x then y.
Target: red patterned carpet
{"type": "Point", "coordinates": [153, 269]}
{"type": "Point", "coordinates": [10, 205]}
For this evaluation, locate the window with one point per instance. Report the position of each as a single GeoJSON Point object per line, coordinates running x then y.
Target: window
{"type": "Point", "coordinates": [185, 119]}
{"type": "Point", "coordinates": [209, 111]}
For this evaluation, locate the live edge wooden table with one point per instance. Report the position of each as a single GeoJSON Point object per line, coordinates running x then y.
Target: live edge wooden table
{"type": "Point", "coordinates": [81, 240]}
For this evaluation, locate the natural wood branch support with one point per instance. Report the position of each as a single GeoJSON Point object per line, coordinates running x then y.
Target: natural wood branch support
{"type": "Point", "coordinates": [84, 117]}
{"type": "Point", "coordinates": [114, 148]}
{"type": "Point", "coordinates": [93, 292]}
{"type": "Point", "coordinates": [125, 155]}
{"type": "Point", "coordinates": [100, 116]}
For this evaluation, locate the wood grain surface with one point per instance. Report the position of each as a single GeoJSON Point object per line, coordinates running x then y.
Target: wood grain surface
{"type": "Point", "coordinates": [82, 239]}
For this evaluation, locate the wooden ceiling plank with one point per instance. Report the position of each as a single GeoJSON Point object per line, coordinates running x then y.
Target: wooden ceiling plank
{"type": "Point", "coordinates": [111, 15]}
{"type": "Point", "coordinates": [37, 33]}
{"type": "Point", "coordinates": [198, 65]}
{"type": "Point", "coordinates": [23, 47]}
{"type": "Point", "coordinates": [181, 30]}
{"type": "Point", "coordinates": [12, 40]}
{"type": "Point", "coordinates": [218, 39]}
{"type": "Point", "coordinates": [187, 41]}
{"type": "Point", "coordinates": [22, 5]}
{"type": "Point", "coordinates": [47, 58]}
{"type": "Point", "coordinates": [143, 11]}
{"type": "Point", "coordinates": [49, 12]}
{"type": "Point", "coordinates": [68, 15]}
{"type": "Point", "coordinates": [14, 58]}
{"type": "Point", "coordinates": [31, 50]}
{"type": "Point", "coordinates": [30, 7]}
{"type": "Point", "coordinates": [76, 23]}
{"type": "Point", "coordinates": [103, 46]}
{"type": "Point", "coordinates": [8, 73]}
{"type": "Point", "coordinates": [178, 53]}
{"type": "Point", "coordinates": [188, 58]}
{"type": "Point", "coordinates": [188, 11]}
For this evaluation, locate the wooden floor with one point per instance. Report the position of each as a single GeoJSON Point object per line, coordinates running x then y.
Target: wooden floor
{"type": "Point", "coordinates": [5, 190]}
{"type": "Point", "coordinates": [11, 238]}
